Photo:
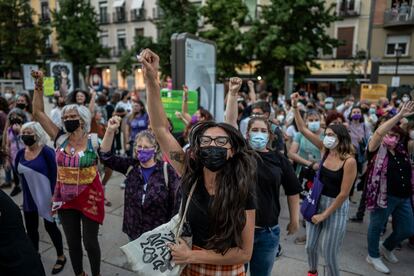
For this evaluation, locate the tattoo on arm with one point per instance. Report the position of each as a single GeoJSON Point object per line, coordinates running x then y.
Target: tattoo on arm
{"type": "Point", "coordinates": [177, 156]}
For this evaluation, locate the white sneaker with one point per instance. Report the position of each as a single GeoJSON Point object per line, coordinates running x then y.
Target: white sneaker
{"type": "Point", "coordinates": [378, 264]}
{"type": "Point", "coordinates": [388, 255]}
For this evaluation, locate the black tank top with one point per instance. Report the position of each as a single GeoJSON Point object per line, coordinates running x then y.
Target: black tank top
{"type": "Point", "coordinates": [331, 180]}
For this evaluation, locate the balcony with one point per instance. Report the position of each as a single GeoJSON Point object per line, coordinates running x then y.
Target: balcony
{"type": "Point", "coordinates": [157, 13]}
{"type": "Point", "coordinates": [138, 15]}
{"type": "Point", "coordinates": [104, 18]}
{"type": "Point", "coordinates": [44, 18]}
{"type": "Point", "coordinates": [349, 8]}
{"type": "Point", "coordinates": [119, 17]}
{"type": "Point", "coordinates": [404, 16]}
{"type": "Point", "coordinates": [117, 52]}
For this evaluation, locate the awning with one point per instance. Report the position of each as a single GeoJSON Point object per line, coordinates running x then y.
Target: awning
{"type": "Point", "coordinates": [118, 3]}
{"type": "Point", "coordinates": [136, 4]}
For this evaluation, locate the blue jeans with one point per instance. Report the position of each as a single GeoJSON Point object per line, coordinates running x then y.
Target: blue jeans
{"type": "Point", "coordinates": [266, 244]}
{"type": "Point", "coordinates": [402, 224]}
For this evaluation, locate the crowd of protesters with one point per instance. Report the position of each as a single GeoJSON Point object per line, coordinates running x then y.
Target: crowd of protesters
{"type": "Point", "coordinates": [234, 171]}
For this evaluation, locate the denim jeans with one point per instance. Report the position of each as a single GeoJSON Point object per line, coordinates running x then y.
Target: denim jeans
{"type": "Point", "coordinates": [403, 224]}
{"type": "Point", "coordinates": [266, 244]}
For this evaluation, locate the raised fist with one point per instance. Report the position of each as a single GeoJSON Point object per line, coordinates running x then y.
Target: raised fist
{"type": "Point", "coordinates": [234, 85]}
{"type": "Point", "coordinates": [150, 62]}
{"type": "Point", "coordinates": [250, 84]}
{"type": "Point", "coordinates": [114, 123]}
{"type": "Point", "coordinates": [37, 74]}
{"type": "Point", "coordinates": [295, 99]}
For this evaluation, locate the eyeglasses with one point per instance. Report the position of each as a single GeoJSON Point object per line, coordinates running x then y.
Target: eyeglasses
{"type": "Point", "coordinates": [219, 141]}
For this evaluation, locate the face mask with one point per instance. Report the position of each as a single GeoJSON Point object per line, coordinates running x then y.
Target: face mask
{"type": "Point", "coordinates": [213, 158]}
{"type": "Point", "coordinates": [194, 119]}
{"type": "Point", "coordinates": [258, 140]}
{"type": "Point", "coordinates": [412, 134]}
{"type": "Point", "coordinates": [61, 104]}
{"type": "Point", "coordinates": [356, 117]}
{"type": "Point", "coordinates": [280, 118]}
{"type": "Point", "coordinates": [8, 96]}
{"type": "Point", "coordinates": [71, 125]}
{"type": "Point", "coordinates": [28, 140]}
{"type": "Point", "coordinates": [330, 142]}
{"type": "Point", "coordinates": [329, 106]}
{"type": "Point", "coordinates": [145, 155]}
{"type": "Point", "coordinates": [314, 126]}
{"type": "Point", "coordinates": [405, 99]}
{"type": "Point", "coordinates": [390, 141]}
{"type": "Point", "coordinates": [372, 111]}
{"type": "Point", "coordinates": [21, 105]}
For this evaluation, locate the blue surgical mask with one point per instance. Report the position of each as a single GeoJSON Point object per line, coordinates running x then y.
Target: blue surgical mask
{"type": "Point", "coordinates": [258, 140]}
{"type": "Point", "coordinates": [329, 106]}
{"type": "Point", "coordinates": [372, 111]}
{"type": "Point", "coordinates": [314, 126]}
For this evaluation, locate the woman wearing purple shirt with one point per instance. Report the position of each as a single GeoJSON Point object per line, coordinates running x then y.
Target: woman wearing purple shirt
{"type": "Point", "coordinates": [152, 193]}
{"type": "Point", "coordinates": [136, 122]}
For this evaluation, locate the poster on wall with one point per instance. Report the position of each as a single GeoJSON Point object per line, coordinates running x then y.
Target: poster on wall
{"type": "Point", "coordinates": [95, 79]}
{"type": "Point", "coordinates": [49, 86]}
{"type": "Point", "coordinates": [62, 72]}
{"type": "Point", "coordinates": [172, 101]}
{"type": "Point", "coordinates": [28, 81]}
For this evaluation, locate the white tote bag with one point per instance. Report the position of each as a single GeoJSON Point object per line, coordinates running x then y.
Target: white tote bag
{"type": "Point", "coordinates": [149, 255]}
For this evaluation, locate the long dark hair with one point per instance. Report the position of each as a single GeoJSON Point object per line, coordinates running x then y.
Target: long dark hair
{"type": "Point", "coordinates": [227, 211]}
{"type": "Point", "coordinates": [344, 147]}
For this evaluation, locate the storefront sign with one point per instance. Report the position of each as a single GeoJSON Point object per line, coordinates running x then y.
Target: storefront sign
{"type": "Point", "coordinates": [172, 101]}
{"type": "Point", "coordinates": [340, 67]}
{"type": "Point", "coordinates": [373, 92]}
{"type": "Point", "coordinates": [402, 70]}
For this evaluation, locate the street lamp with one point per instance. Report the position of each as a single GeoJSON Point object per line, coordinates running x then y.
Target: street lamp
{"type": "Point", "coordinates": [398, 54]}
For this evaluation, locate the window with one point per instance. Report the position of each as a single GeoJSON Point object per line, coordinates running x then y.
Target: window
{"type": "Point", "coordinates": [103, 12]}
{"type": "Point", "coordinates": [120, 14]}
{"type": "Point", "coordinates": [44, 10]}
{"type": "Point", "coordinates": [139, 32]}
{"type": "Point", "coordinates": [251, 7]}
{"type": "Point", "coordinates": [394, 42]}
{"type": "Point", "coordinates": [121, 36]}
{"type": "Point", "coordinates": [104, 39]}
{"type": "Point", "coordinates": [346, 37]}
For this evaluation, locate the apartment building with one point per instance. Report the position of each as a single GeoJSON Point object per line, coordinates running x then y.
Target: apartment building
{"type": "Point", "coordinates": [393, 42]}
{"type": "Point", "coordinates": [43, 16]}
{"type": "Point", "coordinates": [352, 30]}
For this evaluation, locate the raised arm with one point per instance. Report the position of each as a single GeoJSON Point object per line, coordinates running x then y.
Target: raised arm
{"type": "Point", "coordinates": [314, 138]}
{"type": "Point", "coordinates": [231, 107]}
{"type": "Point", "coordinates": [92, 101]}
{"type": "Point", "coordinates": [252, 93]}
{"type": "Point", "coordinates": [113, 125]}
{"type": "Point", "coordinates": [38, 107]}
{"type": "Point", "coordinates": [376, 139]}
{"type": "Point", "coordinates": [158, 118]}
{"type": "Point", "coordinates": [184, 107]}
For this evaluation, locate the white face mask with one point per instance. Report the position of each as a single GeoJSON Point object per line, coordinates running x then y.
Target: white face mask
{"type": "Point", "coordinates": [412, 134]}
{"type": "Point", "coordinates": [405, 99]}
{"type": "Point", "coordinates": [330, 142]}
{"type": "Point", "coordinates": [280, 118]}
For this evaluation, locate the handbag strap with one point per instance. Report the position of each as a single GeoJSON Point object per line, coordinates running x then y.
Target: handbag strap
{"type": "Point", "coordinates": [182, 219]}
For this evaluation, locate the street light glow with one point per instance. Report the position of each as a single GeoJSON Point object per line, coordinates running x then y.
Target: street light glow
{"type": "Point", "coordinates": [259, 78]}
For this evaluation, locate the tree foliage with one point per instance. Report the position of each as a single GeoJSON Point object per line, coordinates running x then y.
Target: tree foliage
{"type": "Point", "coordinates": [177, 16]}
{"type": "Point", "coordinates": [128, 58]}
{"type": "Point", "coordinates": [77, 32]}
{"type": "Point", "coordinates": [290, 33]}
{"type": "Point", "coordinates": [20, 40]}
{"type": "Point", "coordinates": [226, 17]}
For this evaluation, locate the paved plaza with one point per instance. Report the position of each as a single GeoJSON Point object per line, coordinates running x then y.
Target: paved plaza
{"type": "Point", "coordinates": [292, 263]}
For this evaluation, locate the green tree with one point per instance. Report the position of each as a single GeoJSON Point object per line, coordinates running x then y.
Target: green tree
{"type": "Point", "coordinates": [177, 16]}
{"type": "Point", "coordinates": [128, 58]}
{"type": "Point", "coordinates": [20, 39]}
{"type": "Point", "coordinates": [290, 33]}
{"type": "Point", "coordinates": [77, 32]}
{"type": "Point", "coordinates": [226, 17]}
{"type": "Point", "coordinates": [354, 71]}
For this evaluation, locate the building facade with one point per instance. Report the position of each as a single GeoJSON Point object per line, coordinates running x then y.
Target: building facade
{"type": "Point", "coordinates": [349, 59]}
{"type": "Point", "coordinates": [392, 50]}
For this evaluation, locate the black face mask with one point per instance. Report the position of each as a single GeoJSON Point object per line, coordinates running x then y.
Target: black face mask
{"type": "Point", "coordinates": [213, 158]}
{"type": "Point", "coordinates": [60, 104]}
{"type": "Point", "coordinates": [71, 125]}
{"type": "Point", "coordinates": [28, 140]}
{"type": "Point", "coordinates": [21, 105]}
